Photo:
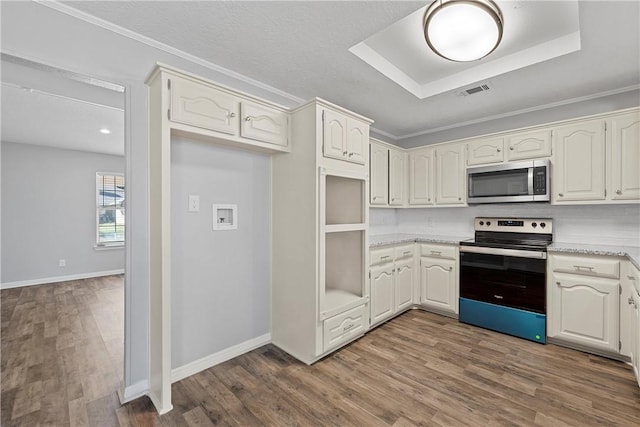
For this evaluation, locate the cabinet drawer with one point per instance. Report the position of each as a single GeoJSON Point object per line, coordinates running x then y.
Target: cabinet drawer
{"type": "Point", "coordinates": [344, 327]}
{"type": "Point", "coordinates": [438, 251]}
{"type": "Point", "coordinates": [404, 251]}
{"type": "Point", "coordinates": [599, 267]}
{"type": "Point", "coordinates": [263, 123]}
{"type": "Point", "coordinates": [382, 255]}
{"type": "Point", "coordinates": [198, 104]}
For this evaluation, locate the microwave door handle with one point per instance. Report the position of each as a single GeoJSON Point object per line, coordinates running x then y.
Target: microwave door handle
{"type": "Point", "coordinates": [530, 181]}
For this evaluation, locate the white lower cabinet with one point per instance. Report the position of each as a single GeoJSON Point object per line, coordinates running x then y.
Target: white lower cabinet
{"type": "Point", "coordinates": [630, 316]}
{"type": "Point", "coordinates": [439, 278]}
{"type": "Point", "coordinates": [391, 281]}
{"type": "Point", "coordinates": [343, 327]}
{"type": "Point", "coordinates": [583, 308]}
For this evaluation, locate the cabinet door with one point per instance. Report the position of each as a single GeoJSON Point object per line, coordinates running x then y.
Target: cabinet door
{"type": "Point", "coordinates": [529, 145]}
{"type": "Point", "coordinates": [438, 284]}
{"type": "Point", "coordinates": [625, 157]}
{"type": "Point", "coordinates": [450, 175]}
{"type": "Point", "coordinates": [485, 151]}
{"type": "Point", "coordinates": [585, 311]}
{"type": "Point", "coordinates": [421, 177]}
{"type": "Point", "coordinates": [578, 172]}
{"type": "Point", "coordinates": [334, 136]}
{"type": "Point", "coordinates": [635, 355]}
{"type": "Point", "coordinates": [627, 319]}
{"type": "Point", "coordinates": [379, 174]}
{"type": "Point", "coordinates": [397, 177]}
{"type": "Point", "coordinates": [264, 124]}
{"type": "Point", "coordinates": [357, 141]}
{"type": "Point", "coordinates": [200, 105]}
{"type": "Point", "coordinates": [404, 284]}
{"type": "Point", "coordinates": [381, 293]}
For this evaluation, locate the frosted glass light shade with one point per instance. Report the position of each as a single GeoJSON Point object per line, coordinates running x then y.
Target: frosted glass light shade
{"type": "Point", "coordinates": [463, 30]}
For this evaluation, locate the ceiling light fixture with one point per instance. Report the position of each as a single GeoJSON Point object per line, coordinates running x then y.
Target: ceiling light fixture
{"type": "Point", "coordinates": [105, 131]}
{"type": "Point", "coordinates": [463, 30]}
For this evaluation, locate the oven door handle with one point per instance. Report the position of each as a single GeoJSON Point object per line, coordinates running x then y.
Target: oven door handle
{"type": "Point", "coordinates": [506, 252]}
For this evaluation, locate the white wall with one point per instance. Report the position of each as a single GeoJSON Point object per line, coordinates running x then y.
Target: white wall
{"type": "Point", "coordinates": [606, 224]}
{"type": "Point", "coordinates": [220, 279]}
{"type": "Point", "coordinates": [49, 213]}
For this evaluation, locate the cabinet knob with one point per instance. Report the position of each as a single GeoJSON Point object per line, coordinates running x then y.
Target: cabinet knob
{"type": "Point", "coordinates": [511, 148]}
{"type": "Point", "coordinates": [450, 268]}
{"type": "Point", "coordinates": [558, 283]}
{"type": "Point", "coordinates": [560, 195]}
{"type": "Point", "coordinates": [350, 154]}
{"type": "Point", "coordinates": [232, 114]}
{"type": "Point", "coordinates": [375, 197]}
{"type": "Point", "coordinates": [499, 150]}
{"type": "Point", "coordinates": [459, 198]}
{"type": "Point", "coordinates": [248, 118]}
{"type": "Point", "coordinates": [428, 200]}
{"type": "Point", "coordinates": [630, 300]}
{"type": "Point", "coordinates": [618, 192]}
{"type": "Point", "coordinates": [344, 153]}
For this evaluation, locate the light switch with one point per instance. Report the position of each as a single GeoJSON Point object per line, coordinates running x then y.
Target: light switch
{"type": "Point", "coordinates": [194, 203]}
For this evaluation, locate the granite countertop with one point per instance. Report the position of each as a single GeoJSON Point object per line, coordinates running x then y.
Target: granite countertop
{"type": "Point", "coordinates": [631, 252]}
{"type": "Point", "coordinates": [394, 239]}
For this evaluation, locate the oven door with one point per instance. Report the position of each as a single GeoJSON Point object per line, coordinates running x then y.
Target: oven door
{"type": "Point", "coordinates": [510, 281]}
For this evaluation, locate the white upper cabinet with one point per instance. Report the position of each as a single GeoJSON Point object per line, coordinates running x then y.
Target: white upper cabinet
{"type": "Point", "coordinates": [397, 177]}
{"type": "Point", "coordinates": [625, 157]}
{"type": "Point", "coordinates": [200, 105]}
{"type": "Point", "coordinates": [344, 138]}
{"type": "Point", "coordinates": [450, 174]}
{"type": "Point", "coordinates": [421, 177]}
{"type": "Point", "coordinates": [579, 161]}
{"type": "Point", "coordinates": [379, 176]}
{"type": "Point", "coordinates": [485, 151]}
{"type": "Point", "coordinates": [264, 124]}
{"type": "Point", "coordinates": [357, 141]}
{"type": "Point", "coordinates": [334, 136]}
{"type": "Point", "coordinates": [529, 145]}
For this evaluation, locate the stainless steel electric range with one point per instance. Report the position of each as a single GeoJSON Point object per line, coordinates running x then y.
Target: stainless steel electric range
{"type": "Point", "coordinates": [503, 276]}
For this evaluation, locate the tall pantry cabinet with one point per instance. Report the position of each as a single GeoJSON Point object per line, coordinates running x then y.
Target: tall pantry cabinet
{"type": "Point", "coordinates": [319, 295]}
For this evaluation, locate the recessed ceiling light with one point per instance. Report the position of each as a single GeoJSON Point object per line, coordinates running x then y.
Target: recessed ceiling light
{"type": "Point", "coordinates": [105, 131]}
{"type": "Point", "coordinates": [463, 30]}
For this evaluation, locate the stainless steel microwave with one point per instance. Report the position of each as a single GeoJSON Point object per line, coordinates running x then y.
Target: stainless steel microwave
{"type": "Point", "coordinates": [526, 181]}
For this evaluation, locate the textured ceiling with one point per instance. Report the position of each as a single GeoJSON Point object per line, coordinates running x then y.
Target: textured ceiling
{"type": "Point", "coordinates": [302, 48]}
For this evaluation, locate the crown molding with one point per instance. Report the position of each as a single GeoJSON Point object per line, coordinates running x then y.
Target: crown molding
{"type": "Point", "coordinates": [68, 10]}
{"type": "Point", "coordinates": [522, 111]}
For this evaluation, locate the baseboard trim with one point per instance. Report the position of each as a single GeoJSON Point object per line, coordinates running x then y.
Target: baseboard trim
{"type": "Point", "coordinates": [133, 391]}
{"type": "Point", "coordinates": [58, 279]}
{"type": "Point", "coordinates": [214, 359]}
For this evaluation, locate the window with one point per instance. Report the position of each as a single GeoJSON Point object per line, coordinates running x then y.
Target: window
{"type": "Point", "coordinates": [110, 209]}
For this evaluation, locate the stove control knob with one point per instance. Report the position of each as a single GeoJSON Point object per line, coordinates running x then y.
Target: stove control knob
{"type": "Point", "coordinates": [481, 222]}
{"type": "Point", "coordinates": [534, 224]}
{"type": "Point", "coordinates": [543, 225]}
{"type": "Point", "coordinates": [488, 223]}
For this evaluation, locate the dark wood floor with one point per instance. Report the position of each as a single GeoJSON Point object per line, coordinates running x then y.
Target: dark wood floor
{"type": "Point", "coordinates": [418, 369]}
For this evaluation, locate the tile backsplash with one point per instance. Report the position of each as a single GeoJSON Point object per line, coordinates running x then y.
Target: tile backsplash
{"type": "Point", "coordinates": [589, 224]}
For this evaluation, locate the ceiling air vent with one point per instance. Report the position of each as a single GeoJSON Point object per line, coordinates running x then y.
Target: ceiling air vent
{"type": "Point", "coordinates": [475, 89]}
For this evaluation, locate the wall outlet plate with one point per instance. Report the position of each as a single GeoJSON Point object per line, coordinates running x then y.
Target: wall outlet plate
{"type": "Point", "coordinates": [225, 217]}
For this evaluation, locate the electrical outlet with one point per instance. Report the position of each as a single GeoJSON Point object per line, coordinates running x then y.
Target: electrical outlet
{"type": "Point", "coordinates": [62, 263]}
{"type": "Point", "coordinates": [194, 203]}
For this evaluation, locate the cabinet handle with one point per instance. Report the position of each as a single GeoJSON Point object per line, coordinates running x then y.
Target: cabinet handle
{"type": "Point", "coordinates": [436, 253]}
{"type": "Point", "coordinates": [384, 257]}
{"type": "Point", "coordinates": [630, 300]}
{"type": "Point", "coordinates": [560, 195]}
{"type": "Point", "coordinates": [351, 154]}
{"type": "Point", "coordinates": [232, 114]}
{"type": "Point", "coordinates": [406, 252]}
{"type": "Point", "coordinates": [344, 153]}
{"type": "Point", "coordinates": [582, 267]}
{"type": "Point", "coordinates": [498, 297]}
{"type": "Point", "coordinates": [346, 328]}
{"type": "Point", "coordinates": [618, 192]}
{"type": "Point", "coordinates": [631, 278]}
{"type": "Point", "coordinates": [511, 148]}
